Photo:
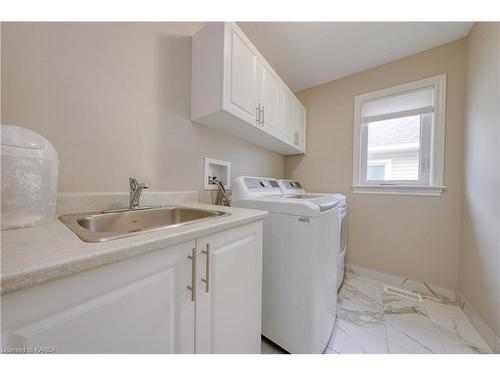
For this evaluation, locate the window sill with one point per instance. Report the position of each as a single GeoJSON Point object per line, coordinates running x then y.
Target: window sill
{"type": "Point", "coordinates": [433, 191]}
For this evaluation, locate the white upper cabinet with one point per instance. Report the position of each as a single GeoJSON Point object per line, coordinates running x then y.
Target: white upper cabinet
{"type": "Point", "coordinates": [234, 89]}
{"type": "Point", "coordinates": [242, 84]}
{"type": "Point", "coordinates": [293, 115]}
{"type": "Point", "coordinates": [288, 115]}
{"type": "Point", "coordinates": [270, 118]}
{"type": "Point", "coordinates": [300, 126]}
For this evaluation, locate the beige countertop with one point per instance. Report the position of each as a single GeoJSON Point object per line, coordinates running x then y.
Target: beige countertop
{"type": "Point", "coordinates": [31, 256]}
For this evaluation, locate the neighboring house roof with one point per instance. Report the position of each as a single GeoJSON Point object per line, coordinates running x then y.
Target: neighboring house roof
{"type": "Point", "coordinates": [395, 133]}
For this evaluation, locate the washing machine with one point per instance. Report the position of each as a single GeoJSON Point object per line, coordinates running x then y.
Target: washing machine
{"type": "Point", "coordinates": [300, 250]}
{"type": "Point", "coordinates": [295, 187]}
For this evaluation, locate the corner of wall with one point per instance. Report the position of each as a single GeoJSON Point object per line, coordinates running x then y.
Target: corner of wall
{"type": "Point", "coordinates": [479, 239]}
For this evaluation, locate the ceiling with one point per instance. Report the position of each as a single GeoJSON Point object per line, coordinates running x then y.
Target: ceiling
{"type": "Point", "coordinates": [306, 54]}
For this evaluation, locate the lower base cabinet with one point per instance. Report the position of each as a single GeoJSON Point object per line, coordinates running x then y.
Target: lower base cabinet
{"type": "Point", "coordinates": [147, 304]}
{"type": "Point", "coordinates": [229, 298]}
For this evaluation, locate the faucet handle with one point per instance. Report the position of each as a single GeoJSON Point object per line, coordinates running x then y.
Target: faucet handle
{"type": "Point", "coordinates": [133, 183]}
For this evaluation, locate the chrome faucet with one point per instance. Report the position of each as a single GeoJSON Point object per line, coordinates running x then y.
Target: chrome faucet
{"type": "Point", "coordinates": [222, 195]}
{"type": "Point", "coordinates": [135, 192]}
{"type": "Point", "coordinates": [136, 189]}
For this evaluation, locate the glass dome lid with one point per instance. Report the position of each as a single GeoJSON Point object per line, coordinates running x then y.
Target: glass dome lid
{"type": "Point", "coordinates": [17, 141]}
{"type": "Point", "coordinates": [15, 136]}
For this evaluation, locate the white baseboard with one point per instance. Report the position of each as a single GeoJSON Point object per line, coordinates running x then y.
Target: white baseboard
{"type": "Point", "coordinates": [478, 323]}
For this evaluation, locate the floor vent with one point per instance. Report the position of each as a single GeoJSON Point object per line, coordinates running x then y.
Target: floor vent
{"type": "Point", "coordinates": [403, 293]}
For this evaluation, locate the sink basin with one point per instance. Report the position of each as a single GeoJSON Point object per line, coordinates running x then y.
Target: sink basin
{"type": "Point", "coordinates": [98, 227]}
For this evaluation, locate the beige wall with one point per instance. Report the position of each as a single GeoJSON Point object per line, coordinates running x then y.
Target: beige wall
{"type": "Point", "coordinates": [479, 280]}
{"type": "Point", "coordinates": [416, 237]}
{"type": "Point", "coordinates": [114, 99]}
{"type": "Point", "coordinates": [0, 72]}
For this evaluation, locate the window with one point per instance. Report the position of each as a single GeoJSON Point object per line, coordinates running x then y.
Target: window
{"type": "Point", "coordinates": [379, 169]}
{"type": "Point", "coordinates": [399, 139]}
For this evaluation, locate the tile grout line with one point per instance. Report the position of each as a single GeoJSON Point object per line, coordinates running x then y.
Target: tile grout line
{"type": "Point", "coordinates": [385, 323]}
{"type": "Point", "coordinates": [424, 311]}
{"type": "Point", "coordinates": [434, 328]}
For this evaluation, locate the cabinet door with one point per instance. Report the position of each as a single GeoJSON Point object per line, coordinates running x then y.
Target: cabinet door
{"type": "Point", "coordinates": [140, 305]}
{"type": "Point", "coordinates": [240, 75]}
{"type": "Point", "coordinates": [288, 114]}
{"type": "Point", "coordinates": [269, 99]}
{"type": "Point", "coordinates": [228, 308]}
{"type": "Point", "coordinates": [300, 126]}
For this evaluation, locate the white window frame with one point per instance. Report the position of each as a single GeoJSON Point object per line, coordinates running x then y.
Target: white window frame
{"type": "Point", "coordinates": [432, 184]}
{"type": "Point", "coordinates": [424, 156]}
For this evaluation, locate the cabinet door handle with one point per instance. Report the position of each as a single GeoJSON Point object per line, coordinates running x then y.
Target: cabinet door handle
{"type": "Point", "coordinates": [192, 288]}
{"type": "Point", "coordinates": [206, 280]}
{"type": "Point", "coordinates": [257, 115]}
{"type": "Point", "coordinates": [262, 121]}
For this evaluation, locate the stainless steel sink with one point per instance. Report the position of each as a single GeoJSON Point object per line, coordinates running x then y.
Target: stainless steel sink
{"type": "Point", "coordinates": [98, 227]}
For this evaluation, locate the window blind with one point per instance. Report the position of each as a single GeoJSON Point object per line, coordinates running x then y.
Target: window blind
{"type": "Point", "coordinates": [400, 105]}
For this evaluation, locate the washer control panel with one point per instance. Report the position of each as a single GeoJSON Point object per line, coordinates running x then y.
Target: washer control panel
{"type": "Point", "coordinates": [246, 187]}
{"type": "Point", "coordinates": [261, 183]}
{"type": "Point", "coordinates": [291, 186]}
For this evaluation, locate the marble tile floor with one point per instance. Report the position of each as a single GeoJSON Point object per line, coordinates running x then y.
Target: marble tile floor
{"type": "Point", "coordinates": [373, 322]}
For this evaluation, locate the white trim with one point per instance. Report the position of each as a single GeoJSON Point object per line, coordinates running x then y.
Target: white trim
{"type": "Point", "coordinates": [478, 323]}
{"type": "Point", "coordinates": [437, 144]}
{"type": "Point", "coordinates": [433, 187]}
{"type": "Point", "coordinates": [226, 166]}
{"type": "Point", "coordinates": [434, 191]}
{"type": "Point", "coordinates": [356, 156]}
